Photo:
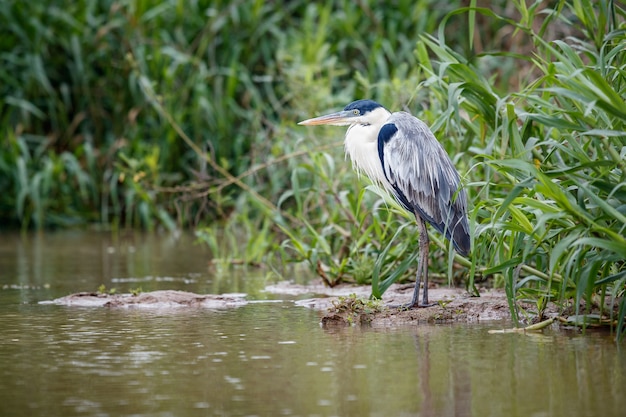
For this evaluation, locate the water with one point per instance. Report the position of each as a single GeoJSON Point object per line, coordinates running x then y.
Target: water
{"type": "Point", "coordinates": [268, 358]}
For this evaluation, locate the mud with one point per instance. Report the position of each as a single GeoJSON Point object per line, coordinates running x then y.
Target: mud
{"type": "Point", "coordinates": [451, 305]}
{"type": "Point", "coordinates": [154, 299]}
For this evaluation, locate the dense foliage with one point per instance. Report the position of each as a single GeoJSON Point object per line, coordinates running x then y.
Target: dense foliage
{"type": "Point", "coordinates": [80, 81]}
{"type": "Point", "coordinates": [178, 114]}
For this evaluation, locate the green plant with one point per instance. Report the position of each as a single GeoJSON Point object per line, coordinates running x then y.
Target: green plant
{"type": "Point", "coordinates": [102, 289]}
{"type": "Point", "coordinates": [241, 240]}
{"type": "Point", "coordinates": [356, 310]}
{"type": "Point", "coordinates": [549, 209]}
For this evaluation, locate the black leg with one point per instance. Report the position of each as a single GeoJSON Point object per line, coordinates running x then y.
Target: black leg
{"type": "Point", "coordinates": [422, 269]}
{"type": "Point", "coordinates": [423, 261]}
{"type": "Point", "coordinates": [416, 291]}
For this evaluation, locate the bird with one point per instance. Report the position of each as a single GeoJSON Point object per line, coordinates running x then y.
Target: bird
{"type": "Point", "coordinates": [399, 152]}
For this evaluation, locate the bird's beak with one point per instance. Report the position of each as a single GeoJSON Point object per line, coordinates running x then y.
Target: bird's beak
{"type": "Point", "coordinates": [342, 118]}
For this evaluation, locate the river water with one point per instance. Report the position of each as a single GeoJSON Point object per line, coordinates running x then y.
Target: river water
{"type": "Point", "coordinates": [267, 358]}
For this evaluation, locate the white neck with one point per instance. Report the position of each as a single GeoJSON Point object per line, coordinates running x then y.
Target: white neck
{"type": "Point", "coordinates": [361, 144]}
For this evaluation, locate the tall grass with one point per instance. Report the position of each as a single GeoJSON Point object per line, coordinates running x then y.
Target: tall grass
{"type": "Point", "coordinates": [74, 77]}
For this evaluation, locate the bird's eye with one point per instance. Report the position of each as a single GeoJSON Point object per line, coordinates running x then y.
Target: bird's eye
{"type": "Point", "coordinates": [356, 111]}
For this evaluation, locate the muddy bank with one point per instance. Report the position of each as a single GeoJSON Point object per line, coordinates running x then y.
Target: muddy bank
{"type": "Point", "coordinates": [154, 299]}
{"type": "Point", "coordinates": [341, 305]}
{"type": "Point", "coordinates": [452, 305]}
{"type": "Point", "coordinates": [348, 305]}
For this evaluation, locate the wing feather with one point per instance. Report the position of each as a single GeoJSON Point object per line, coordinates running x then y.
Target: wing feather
{"type": "Point", "coordinates": [423, 178]}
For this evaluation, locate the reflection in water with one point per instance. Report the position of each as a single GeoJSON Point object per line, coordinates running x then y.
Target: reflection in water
{"type": "Point", "coordinates": [268, 358]}
{"type": "Point", "coordinates": [52, 265]}
{"type": "Point", "coordinates": [274, 359]}
{"type": "Point", "coordinates": [461, 370]}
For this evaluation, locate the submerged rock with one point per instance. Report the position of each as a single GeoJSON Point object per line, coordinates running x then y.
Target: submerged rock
{"type": "Point", "coordinates": [154, 299]}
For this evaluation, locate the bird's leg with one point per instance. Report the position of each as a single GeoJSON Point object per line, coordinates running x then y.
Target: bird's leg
{"type": "Point", "coordinates": [416, 291]}
{"type": "Point", "coordinates": [422, 268]}
{"type": "Point", "coordinates": [423, 260]}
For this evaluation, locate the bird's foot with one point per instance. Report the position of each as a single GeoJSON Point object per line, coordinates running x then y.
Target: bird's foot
{"type": "Point", "coordinates": [409, 306]}
{"type": "Point", "coordinates": [425, 305]}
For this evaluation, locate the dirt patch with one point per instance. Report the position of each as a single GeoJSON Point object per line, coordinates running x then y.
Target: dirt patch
{"type": "Point", "coordinates": [155, 299]}
{"type": "Point", "coordinates": [349, 305]}
{"type": "Point", "coordinates": [341, 305]}
{"type": "Point", "coordinates": [452, 305]}
{"type": "Point", "coordinates": [346, 305]}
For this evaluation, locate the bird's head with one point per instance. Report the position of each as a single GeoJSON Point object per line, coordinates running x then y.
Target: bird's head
{"type": "Point", "coordinates": [363, 112]}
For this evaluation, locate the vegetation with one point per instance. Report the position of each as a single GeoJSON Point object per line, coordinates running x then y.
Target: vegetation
{"type": "Point", "coordinates": [182, 114]}
{"type": "Point", "coordinates": [354, 310]}
{"type": "Point", "coordinates": [103, 290]}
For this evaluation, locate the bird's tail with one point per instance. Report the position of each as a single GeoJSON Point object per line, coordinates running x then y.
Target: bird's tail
{"type": "Point", "coordinates": [461, 238]}
{"type": "Point", "coordinates": [457, 231]}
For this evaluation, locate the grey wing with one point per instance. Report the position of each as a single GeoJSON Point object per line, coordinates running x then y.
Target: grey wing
{"type": "Point", "coordinates": [423, 177]}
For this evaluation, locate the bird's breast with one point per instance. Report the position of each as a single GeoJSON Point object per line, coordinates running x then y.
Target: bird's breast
{"type": "Point", "coordinates": [361, 145]}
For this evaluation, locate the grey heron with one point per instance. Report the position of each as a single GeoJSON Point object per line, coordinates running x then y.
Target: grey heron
{"type": "Point", "coordinates": [400, 153]}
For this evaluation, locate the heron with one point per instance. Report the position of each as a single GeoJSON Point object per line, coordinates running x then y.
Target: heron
{"type": "Point", "coordinates": [399, 152]}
